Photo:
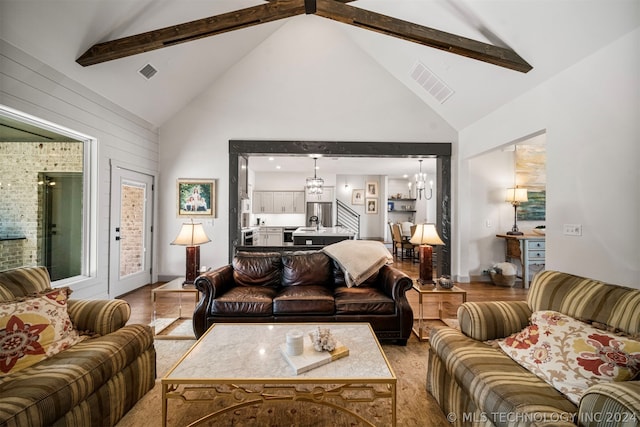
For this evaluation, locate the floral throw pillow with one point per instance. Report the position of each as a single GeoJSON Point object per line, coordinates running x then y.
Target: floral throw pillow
{"type": "Point", "coordinates": [34, 329]}
{"type": "Point", "coordinates": [570, 355]}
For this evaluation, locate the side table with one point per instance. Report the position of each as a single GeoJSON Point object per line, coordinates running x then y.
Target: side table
{"type": "Point", "coordinates": [161, 323]}
{"type": "Point", "coordinates": [529, 250]}
{"type": "Point", "coordinates": [430, 292]}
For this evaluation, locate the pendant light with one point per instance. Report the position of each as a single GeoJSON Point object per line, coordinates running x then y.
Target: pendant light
{"type": "Point", "coordinates": [314, 185]}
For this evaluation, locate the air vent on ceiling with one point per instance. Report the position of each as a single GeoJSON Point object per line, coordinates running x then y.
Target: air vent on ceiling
{"type": "Point", "coordinates": [431, 83]}
{"type": "Point", "coordinates": [147, 71]}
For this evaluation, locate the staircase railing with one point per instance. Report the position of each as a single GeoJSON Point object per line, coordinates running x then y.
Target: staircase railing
{"type": "Point", "coordinates": [348, 218]}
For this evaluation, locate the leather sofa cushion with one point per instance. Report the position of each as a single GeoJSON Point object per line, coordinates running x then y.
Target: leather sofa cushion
{"type": "Point", "coordinates": [257, 269]}
{"type": "Point", "coordinates": [244, 301]}
{"type": "Point", "coordinates": [363, 300]}
{"type": "Point", "coordinates": [307, 268]}
{"type": "Point", "coordinates": [311, 299]}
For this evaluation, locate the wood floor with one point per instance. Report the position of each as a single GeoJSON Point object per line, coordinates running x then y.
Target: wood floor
{"type": "Point", "coordinates": [142, 311]}
{"type": "Point", "coordinates": [142, 308]}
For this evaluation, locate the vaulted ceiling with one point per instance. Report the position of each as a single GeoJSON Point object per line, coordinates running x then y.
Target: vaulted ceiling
{"type": "Point", "coordinates": [548, 35]}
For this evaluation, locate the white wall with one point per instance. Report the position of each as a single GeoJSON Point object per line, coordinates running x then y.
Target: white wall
{"type": "Point", "coordinates": [308, 85]}
{"type": "Point", "coordinates": [590, 114]}
{"type": "Point", "coordinates": [29, 86]}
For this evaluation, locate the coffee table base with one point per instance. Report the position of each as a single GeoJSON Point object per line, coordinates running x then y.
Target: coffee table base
{"type": "Point", "coordinates": [337, 396]}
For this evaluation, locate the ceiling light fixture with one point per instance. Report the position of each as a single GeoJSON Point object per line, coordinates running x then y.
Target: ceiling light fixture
{"type": "Point", "coordinates": [314, 185]}
{"type": "Point", "coordinates": [421, 184]}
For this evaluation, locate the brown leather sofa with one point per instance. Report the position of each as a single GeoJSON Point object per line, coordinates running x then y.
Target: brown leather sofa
{"type": "Point", "coordinates": [302, 287]}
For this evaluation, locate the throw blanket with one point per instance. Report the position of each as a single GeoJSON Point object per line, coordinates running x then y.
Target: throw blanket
{"type": "Point", "coordinates": [358, 259]}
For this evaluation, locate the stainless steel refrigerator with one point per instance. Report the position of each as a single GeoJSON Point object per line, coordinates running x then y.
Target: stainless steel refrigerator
{"type": "Point", "coordinates": [324, 212]}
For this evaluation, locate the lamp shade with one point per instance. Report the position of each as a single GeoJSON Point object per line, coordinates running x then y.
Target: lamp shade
{"type": "Point", "coordinates": [426, 234]}
{"type": "Point", "coordinates": [191, 234]}
{"type": "Point", "coordinates": [516, 195]}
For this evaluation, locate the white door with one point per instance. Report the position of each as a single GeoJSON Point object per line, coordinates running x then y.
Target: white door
{"type": "Point", "coordinates": [130, 230]}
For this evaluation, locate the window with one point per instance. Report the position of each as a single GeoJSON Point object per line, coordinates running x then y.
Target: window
{"type": "Point", "coordinates": [44, 189]}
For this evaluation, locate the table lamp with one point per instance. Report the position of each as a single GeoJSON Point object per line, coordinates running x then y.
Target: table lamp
{"type": "Point", "coordinates": [426, 235]}
{"type": "Point", "coordinates": [515, 196]}
{"type": "Point", "coordinates": [192, 235]}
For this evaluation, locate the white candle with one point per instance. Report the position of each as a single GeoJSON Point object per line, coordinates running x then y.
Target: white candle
{"type": "Point", "coordinates": [295, 343]}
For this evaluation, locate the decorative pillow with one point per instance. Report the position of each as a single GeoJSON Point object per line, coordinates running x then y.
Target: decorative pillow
{"type": "Point", "coordinates": [35, 328]}
{"type": "Point", "coordinates": [570, 355]}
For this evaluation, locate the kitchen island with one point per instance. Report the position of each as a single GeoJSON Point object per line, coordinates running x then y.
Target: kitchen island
{"type": "Point", "coordinates": [312, 236]}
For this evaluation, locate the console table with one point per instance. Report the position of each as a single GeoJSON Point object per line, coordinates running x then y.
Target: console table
{"type": "Point", "coordinates": [529, 249]}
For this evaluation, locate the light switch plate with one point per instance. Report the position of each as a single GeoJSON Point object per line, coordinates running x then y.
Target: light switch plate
{"type": "Point", "coordinates": [572, 230]}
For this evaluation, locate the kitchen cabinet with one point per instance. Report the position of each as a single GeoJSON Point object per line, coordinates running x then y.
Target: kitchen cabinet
{"type": "Point", "coordinates": [269, 236]}
{"type": "Point", "coordinates": [278, 202]}
{"type": "Point", "coordinates": [262, 202]}
{"type": "Point", "coordinates": [298, 202]}
{"type": "Point", "coordinates": [326, 196]}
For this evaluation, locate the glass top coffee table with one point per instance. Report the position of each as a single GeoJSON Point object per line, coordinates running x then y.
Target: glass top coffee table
{"type": "Point", "coordinates": [241, 364]}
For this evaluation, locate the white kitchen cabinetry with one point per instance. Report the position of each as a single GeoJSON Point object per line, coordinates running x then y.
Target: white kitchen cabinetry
{"type": "Point", "coordinates": [326, 196]}
{"type": "Point", "coordinates": [282, 201]}
{"type": "Point", "coordinates": [278, 202]}
{"type": "Point", "coordinates": [298, 202]}
{"type": "Point", "coordinates": [269, 236]}
{"type": "Point", "coordinates": [262, 202]}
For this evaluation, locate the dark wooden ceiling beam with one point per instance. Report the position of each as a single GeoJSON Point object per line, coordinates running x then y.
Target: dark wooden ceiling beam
{"type": "Point", "coordinates": [181, 33]}
{"type": "Point", "coordinates": [274, 10]}
{"type": "Point", "coordinates": [409, 31]}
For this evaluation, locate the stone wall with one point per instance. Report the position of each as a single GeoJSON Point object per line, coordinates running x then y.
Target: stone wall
{"type": "Point", "coordinates": [20, 211]}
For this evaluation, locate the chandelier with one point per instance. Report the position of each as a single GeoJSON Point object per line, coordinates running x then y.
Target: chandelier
{"type": "Point", "coordinates": [421, 184]}
{"type": "Point", "coordinates": [314, 185]}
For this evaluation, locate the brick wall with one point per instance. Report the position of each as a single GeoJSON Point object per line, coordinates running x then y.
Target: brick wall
{"type": "Point", "coordinates": [20, 212]}
{"type": "Point", "coordinates": [131, 229]}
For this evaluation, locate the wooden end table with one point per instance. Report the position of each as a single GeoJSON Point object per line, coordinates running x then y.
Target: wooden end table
{"type": "Point", "coordinates": [431, 291]}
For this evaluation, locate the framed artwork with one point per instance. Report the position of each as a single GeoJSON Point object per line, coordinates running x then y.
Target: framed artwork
{"type": "Point", "coordinates": [357, 197]}
{"type": "Point", "coordinates": [531, 160]}
{"type": "Point", "coordinates": [196, 197]}
{"type": "Point", "coordinates": [372, 189]}
{"type": "Point", "coordinates": [372, 205]}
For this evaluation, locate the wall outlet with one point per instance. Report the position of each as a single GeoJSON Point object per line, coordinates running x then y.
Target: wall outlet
{"type": "Point", "coordinates": [572, 230]}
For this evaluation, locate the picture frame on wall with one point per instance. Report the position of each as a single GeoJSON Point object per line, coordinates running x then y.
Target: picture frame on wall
{"type": "Point", "coordinates": [372, 189]}
{"type": "Point", "coordinates": [372, 205]}
{"type": "Point", "coordinates": [357, 197]}
{"type": "Point", "coordinates": [196, 197]}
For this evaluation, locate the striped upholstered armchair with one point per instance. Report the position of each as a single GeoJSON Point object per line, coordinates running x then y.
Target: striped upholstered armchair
{"type": "Point", "coordinates": [477, 384]}
{"type": "Point", "coordinates": [91, 376]}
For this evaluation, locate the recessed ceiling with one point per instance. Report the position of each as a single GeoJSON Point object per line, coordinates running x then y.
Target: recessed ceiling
{"type": "Point", "coordinates": [393, 167]}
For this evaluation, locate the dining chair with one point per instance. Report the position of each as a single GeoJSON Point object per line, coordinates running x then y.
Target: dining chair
{"type": "Point", "coordinates": [401, 243]}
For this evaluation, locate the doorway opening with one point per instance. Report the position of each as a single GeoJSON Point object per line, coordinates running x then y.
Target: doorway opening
{"type": "Point", "coordinates": [239, 149]}
{"type": "Point", "coordinates": [60, 240]}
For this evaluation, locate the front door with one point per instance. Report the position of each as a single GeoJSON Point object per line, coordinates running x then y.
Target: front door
{"type": "Point", "coordinates": [131, 230]}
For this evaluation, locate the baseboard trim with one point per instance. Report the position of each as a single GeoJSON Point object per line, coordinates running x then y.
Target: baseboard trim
{"type": "Point", "coordinates": [481, 278]}
{"type": "Point", "coordinates": [164, 278]}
